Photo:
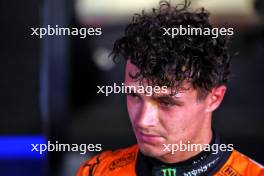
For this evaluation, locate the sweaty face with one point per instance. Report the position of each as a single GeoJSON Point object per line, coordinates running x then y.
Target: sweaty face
{"type": "Point", "coordinates": [165, 119]}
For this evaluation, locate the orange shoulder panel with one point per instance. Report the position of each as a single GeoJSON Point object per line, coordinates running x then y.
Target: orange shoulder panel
{"type": "Point", "coordinates": [122, 162]}
{"type": "Point", "coordinates": [240, 165]}
{"type": "Point", "coordinates": [111, 163]}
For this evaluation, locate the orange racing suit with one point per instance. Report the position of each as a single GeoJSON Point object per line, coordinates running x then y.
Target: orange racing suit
{"type": "Point", "coordinates": [131, 162]}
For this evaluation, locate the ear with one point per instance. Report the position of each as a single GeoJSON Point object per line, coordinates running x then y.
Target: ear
{"type": "Point", "coordinates": [215, 98]}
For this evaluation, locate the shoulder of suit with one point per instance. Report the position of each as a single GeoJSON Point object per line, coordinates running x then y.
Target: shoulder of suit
{"type": "Point", "coordinates": [239, 164]}
{"type": "Point", "coordinates": [109, 160]}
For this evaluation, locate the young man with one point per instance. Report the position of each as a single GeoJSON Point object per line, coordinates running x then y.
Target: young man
{"type": "Point", "coordinates": [194, 68]}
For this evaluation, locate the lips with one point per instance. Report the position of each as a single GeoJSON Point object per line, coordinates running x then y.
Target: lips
{"type": "Point", "coordinates": [148, 138]}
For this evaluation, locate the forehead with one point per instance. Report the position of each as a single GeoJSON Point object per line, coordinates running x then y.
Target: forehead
{"type": "Point", "coordinates": [131, 69]}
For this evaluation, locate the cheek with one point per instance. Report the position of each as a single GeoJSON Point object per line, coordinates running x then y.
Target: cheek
{"type": "Point", "coordinates": [174, 120]}
{"type": "Point", "coordinates": [180, 120]}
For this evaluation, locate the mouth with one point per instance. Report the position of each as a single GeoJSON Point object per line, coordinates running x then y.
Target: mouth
{"type": "Point", "coordinates": [148, 138]}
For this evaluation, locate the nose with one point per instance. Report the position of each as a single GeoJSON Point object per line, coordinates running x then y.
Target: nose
{"type": "Point", "coordinates": [148, 116]}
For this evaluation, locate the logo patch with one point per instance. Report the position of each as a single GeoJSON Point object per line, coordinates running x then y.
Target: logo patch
{"type": "Point", "coordinates": [122, 161]}
{"type": "Point", "coordinates": [168, 172]}
{"type": "Point", "coordinates": [229, 171]}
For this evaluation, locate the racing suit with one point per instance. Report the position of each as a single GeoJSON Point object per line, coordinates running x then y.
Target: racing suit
{"type": "Point", "coordinates": [131, 162]}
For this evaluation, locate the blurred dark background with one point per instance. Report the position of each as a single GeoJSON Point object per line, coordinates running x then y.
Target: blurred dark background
{"type": "Point", "coordinates": [48, 86]}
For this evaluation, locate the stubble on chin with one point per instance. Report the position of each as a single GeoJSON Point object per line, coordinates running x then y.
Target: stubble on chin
{"type": "Point", "coordinates": [152, 151]}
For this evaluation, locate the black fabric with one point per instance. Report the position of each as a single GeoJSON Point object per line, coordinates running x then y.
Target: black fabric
{"type": "Point", "coordinates": [205, 163]}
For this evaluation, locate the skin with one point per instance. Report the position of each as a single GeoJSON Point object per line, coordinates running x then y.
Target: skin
{"type": "Point", "coordinates": [164, 119]}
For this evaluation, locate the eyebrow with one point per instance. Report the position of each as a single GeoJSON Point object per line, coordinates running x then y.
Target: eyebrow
{"type": "Point", "coordinates": [169, 98]}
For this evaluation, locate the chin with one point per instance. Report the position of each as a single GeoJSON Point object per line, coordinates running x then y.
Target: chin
{"type": "Point", "coordinates": [151, 150]}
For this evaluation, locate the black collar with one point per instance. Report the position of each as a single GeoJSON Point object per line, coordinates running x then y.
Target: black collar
{"type": "Point", "coordinates": [204, 163]}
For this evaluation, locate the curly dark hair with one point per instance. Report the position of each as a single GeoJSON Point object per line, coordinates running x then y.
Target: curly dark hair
{"type": "Point", "coordinates": [202, 60]}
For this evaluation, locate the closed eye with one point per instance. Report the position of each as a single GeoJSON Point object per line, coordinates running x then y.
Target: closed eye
{"type": "Point", "coordinates": [168, 101]}
{"type": "Point", "coordinates": [134, 95]}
